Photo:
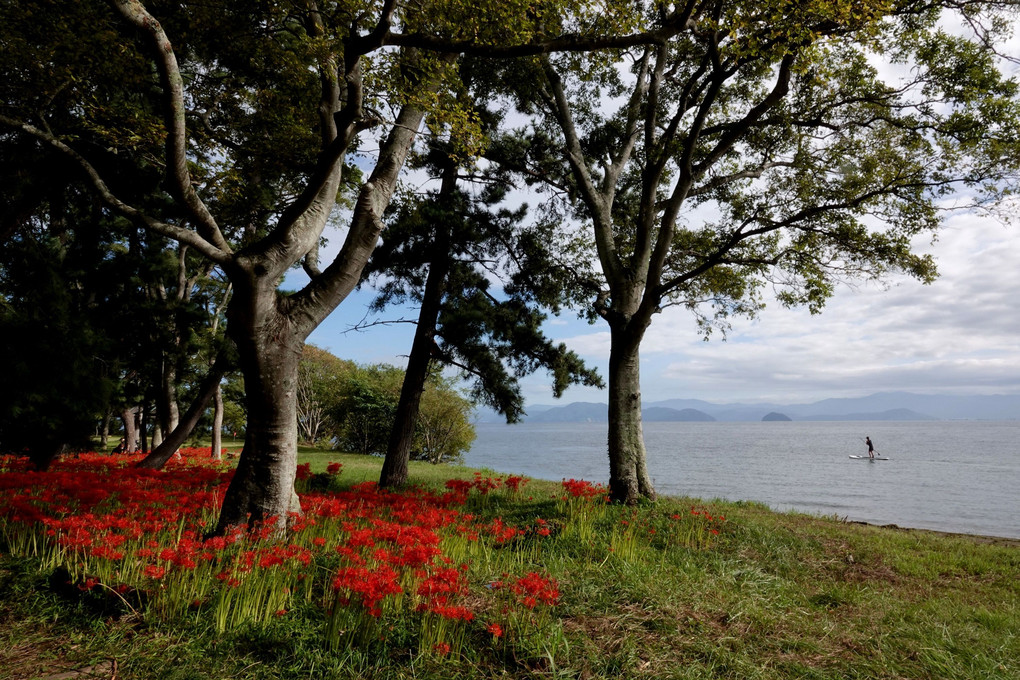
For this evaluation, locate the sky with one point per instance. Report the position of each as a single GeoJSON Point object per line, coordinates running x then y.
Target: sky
{"type": "Point", "coordinates": [959, 335]}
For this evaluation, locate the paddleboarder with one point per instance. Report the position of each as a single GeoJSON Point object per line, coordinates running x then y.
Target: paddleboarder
{"type": "Point", "coordinates": [871, 448]}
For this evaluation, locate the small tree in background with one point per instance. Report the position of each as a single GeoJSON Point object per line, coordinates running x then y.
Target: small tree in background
{"type": "Point", "coordinates": [444, 431]}
{"type": "Point", "coordinates": [321, 378]}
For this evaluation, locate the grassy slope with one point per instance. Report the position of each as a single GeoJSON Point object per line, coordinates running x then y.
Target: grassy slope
{"type": "Point", "coordinates": [778, 596]}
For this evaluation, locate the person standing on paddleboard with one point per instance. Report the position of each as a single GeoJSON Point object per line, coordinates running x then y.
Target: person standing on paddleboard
{"type": "Point", "coordinates": [871, 448]}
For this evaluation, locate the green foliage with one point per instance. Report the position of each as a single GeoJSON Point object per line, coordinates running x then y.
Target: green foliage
{"type": "Point", "coordinates": [351, 408]}
{"type": "Point", "coordinates": [52, 350]}
{"type": "Point", "coordinates": [364, 412]}
{"type": "Point", "coordinates": [321, 381]}
{"type": "Point", "coordinates": [443, 431]}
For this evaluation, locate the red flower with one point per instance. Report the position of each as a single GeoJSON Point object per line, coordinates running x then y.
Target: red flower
{"type": "Point", "coordinates": [514, 483]}
{"type": "Point", "coordinates": [578, 488]}
{"type": "Point", "coordinates": [533, 588]}
{"type": "Point", "coordinates": [495, 629]}
{"type": "Point", "coordinates": [154, 571]}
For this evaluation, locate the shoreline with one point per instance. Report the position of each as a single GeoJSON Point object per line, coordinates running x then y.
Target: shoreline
{"type": "Point", "coordinates": [978, 538]}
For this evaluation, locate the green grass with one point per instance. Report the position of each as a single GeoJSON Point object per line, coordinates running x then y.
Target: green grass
{"type": "Point", "coordinates": [773, 596]}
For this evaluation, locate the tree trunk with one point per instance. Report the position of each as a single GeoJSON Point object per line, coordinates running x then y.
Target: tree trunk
{"type": "Point", "coordinates": [216, 450]}
{"type": "Point", "coordinates": [398, 450]}
{"type": "Point", "coordinates": [167, 409]}
{"type": "Point", "coordinates": [128, 418]}
{"type": "Point", "coordinates": [104, 432]}
{"type": "Point", "coordinates": [269, 350]}
{"type": "Point", "coordinates": [143, 423]}
{"type": "Point", "coordinates": [165, 451]}
{"type": "Point", "coordinates": [628, 471]}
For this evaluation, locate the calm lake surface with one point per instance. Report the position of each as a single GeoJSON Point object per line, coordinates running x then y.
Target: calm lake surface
{"type": "Point", "coordinates": [959, 476]}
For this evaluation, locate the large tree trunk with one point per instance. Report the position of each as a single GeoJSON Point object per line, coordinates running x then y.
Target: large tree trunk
{"type": "Point", "coordinates": [628, 471]}
{"type": "Point", "coordinates": [143, 426]}
{"type": "Point", "coordinates": [269, 349]}
{"type": "Point", "coordinates": [398, 450]}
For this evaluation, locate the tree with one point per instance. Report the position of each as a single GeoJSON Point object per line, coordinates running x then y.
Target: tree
{"type": "Point", "coordinates": [442, 251]}
{"type": "Point", "coordinates": [248, 115]}
{"type": "Point", "coordinates": [444, 431]}
{"type": "Point", "coordinates": [759, 146]}
{"type": "Point", "coordinates": [321, 377]}
{"type": "Point", "coordinates": [52, 347]}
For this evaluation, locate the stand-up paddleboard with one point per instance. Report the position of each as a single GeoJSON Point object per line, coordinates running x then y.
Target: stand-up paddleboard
{"type": "Point", "coordinates": [869, 458]}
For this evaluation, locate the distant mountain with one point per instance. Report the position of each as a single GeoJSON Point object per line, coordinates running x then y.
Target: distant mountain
{"type": "Point", "coordinates": [773, 417]}
{"type": "Point", "coordinates": [577, 412]}
{"type": "Point", "coordinates": [879, 406]}
{"type": "Point", "coordinates": [940, 407]}
{"type": "Point", "coordinates": [585, 412]}
{"type": "Point", "coordinates": [660, 414]}
{"type": "Point", "coordinates": [891, 414]}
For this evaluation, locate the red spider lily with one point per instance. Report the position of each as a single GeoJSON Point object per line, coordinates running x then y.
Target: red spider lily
{"type": "Point", "coordinates": [334, 469]}
{"type": "Point", "coordinates": [503, 533]}
{"type": "Point", "coordinates": [514, 482]}
{"type": "Point", "coordinates": [533, 588]}
{"type": "Point", "coordinates": [484, 484]}
{"type": "Point", "coordinates": [495, 629]}
{"type": "Point", "coordinates": [578, 488]}
{"type": "Point", "coordinates": [460, 486]}
{"type": "Point", "coordinates": [150, 524]}
{"type": "Point", "coordinates": [371, 585]}
{"type": "Point", "coordinates": [304, 471]}
{"type": "Point", "coordinates": [453, 613]}
{"type": "Point", "coordinates": [154, 571]}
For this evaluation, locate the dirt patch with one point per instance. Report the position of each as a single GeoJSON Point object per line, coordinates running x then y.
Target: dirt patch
{"type": "Point", "coordinates": [42, 661]}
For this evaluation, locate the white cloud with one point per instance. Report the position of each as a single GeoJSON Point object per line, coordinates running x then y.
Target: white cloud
{"type": "Point", "coordinates": [958, 334]}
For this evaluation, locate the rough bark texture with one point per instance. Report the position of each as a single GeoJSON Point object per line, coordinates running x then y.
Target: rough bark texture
{"type": "Point", "coordinates": [143, 426]}
{"type": "Point", "coordinates": [270, 351]}
{"type": "Point", "coordinates": [628, 471]}
{"type": "Point", "coordinates": [398, 451]}
{"type": "Point", "coordinates": [104, 433]}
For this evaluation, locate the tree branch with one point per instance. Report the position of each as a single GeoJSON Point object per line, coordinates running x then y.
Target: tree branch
{"type": "Point", "coordinates": [597, 204]}
{"type": "Point", "coordinates": [671, 25]}
{"type": "Point", "coordinates": [185, 236]}
{"type": "Point", "coordinates": [174, 116]}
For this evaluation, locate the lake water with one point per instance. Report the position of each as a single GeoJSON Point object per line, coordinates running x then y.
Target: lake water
{"type": "Point", "coordinates": [959, 476]}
